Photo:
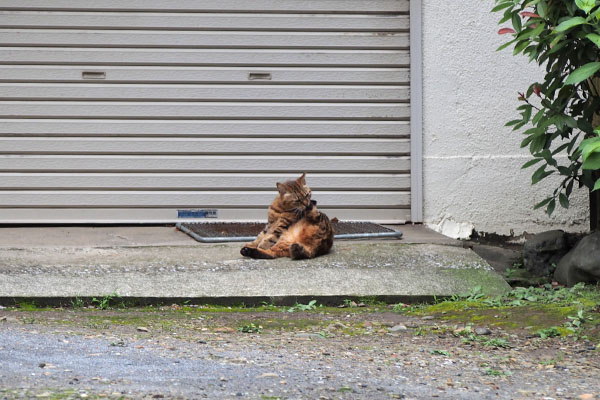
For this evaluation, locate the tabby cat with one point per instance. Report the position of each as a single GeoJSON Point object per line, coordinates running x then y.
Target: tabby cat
{"type": "Point", "coordinates": [295, 227]}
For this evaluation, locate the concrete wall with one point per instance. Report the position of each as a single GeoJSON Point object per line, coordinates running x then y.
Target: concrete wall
{"type": "Point", "coordinates": [471, 165]}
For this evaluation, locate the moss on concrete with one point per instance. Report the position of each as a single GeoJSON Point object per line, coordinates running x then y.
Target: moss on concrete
{"type": "Point", "coordinates": [488, 280]}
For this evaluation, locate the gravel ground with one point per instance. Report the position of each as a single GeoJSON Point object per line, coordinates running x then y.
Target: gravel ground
{"type": "Point", "coordinates": [169, 353]}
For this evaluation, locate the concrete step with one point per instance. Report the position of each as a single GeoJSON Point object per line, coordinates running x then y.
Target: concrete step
{"type": "Point", "coordinates": [180, 269]}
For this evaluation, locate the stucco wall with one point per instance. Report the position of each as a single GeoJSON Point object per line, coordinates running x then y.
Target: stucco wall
{"type": "Point", "coordinates": [471, 162]}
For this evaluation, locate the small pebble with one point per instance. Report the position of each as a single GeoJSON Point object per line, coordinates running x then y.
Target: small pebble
{"type": "Point", "coordinates": [482, 331]}
{"type": "Point", "coordinates": [398, 328]}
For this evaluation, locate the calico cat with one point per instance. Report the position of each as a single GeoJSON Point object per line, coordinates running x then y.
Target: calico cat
{"type": "Point", "coordinates": [295, 229]}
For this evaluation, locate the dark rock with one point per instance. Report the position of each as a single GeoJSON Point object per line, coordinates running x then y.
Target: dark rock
{"type": "Point", "coordinates": [543, 251]}
{"type": "Point", "coordinates": [582, 264]}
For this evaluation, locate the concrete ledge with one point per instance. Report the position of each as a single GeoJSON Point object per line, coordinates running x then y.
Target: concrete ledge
{"type": "Point", "coordinates": [386, 268]}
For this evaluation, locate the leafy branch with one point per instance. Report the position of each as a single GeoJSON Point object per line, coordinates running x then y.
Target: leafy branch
{"type": "Point", "coordinates": [564, 38]}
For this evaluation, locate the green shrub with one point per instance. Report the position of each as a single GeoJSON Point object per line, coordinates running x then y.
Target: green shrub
{"type": "Point", "coordinates": [562, 110]}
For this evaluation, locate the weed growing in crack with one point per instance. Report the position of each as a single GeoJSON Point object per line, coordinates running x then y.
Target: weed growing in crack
{"type": "Point", "coordinates": [495, 372]}
{"type": "Point", "coordinates": [250, 328]}
{"type": "Point", "coordinates": [548, 332]}
{"type": "Point", "coordinates": [105, 302]}
{"type": "Point", "coordinates": [304, 307]}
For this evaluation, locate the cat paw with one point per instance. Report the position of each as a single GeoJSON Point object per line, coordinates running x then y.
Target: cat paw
{"type": "Point", "coordinates": [247, 251]}
{"type": "Point", "coordinates": [254, 253]}
{"type": "Point", "coordinates": [297, 251]}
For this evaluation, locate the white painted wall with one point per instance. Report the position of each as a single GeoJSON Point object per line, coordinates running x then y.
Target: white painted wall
{"type": "Point", "coordinates": [471, 162]}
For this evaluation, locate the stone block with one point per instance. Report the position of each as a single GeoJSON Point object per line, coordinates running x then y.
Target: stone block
{"type": "Point", "coordinates": [582, 263]}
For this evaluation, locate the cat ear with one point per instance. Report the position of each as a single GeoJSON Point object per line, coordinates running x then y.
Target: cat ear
{"type": "Point", "coordinates": [301, 180]}
{"type": "Point", "coordinates": [281, 188]}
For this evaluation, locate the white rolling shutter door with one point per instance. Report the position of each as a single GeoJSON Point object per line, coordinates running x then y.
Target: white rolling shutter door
{"type": "Point", "coordinates": [157, 110]}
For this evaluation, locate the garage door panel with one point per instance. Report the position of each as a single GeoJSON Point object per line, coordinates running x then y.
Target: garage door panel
{"type": "Point", "coordinates": [177, 199]}
{"type": "Point", "coordinates": [161, 92]}
{"type": "Point", "coordinates": [308, 164]}
{"type": "Point", "coordinates": [196, 181]}
{"type": "Point", "coordinates": [203, 110]}
{"type": "Point", "coordinates": [212, 39]}
{"type": "Point", "coordinates": [197, 75]}
{"type": "Point", "coordinates": [220, 146]}
{"type": "Point", "coordinates": [202, 128]}
{"type": "Point", "coordinates": [204, 57]}
{"type": "Point", "coordinates": [321, 6]}
{"type": "Point", "coordinates": [161, 215]}
{"type": "Point", "coordinates": [203, 21]}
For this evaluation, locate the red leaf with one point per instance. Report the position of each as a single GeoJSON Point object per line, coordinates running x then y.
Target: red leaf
{"type": "Point", "coordinates": [529, 14]}
{"type": "Point", "coordinates": [504, 31]}
{"type": "Point", "coordinates": [537, 90]}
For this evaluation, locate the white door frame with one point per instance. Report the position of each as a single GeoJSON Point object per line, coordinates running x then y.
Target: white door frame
{"type": "Point", "coordinates": [416, 112]}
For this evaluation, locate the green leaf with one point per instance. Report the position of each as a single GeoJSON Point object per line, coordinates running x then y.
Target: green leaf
{"type": "Point", "coordinates": [513, 122]}
{"type": "Point", "coordinates": [540, 174]}
{"type": "Point", "coordinates": [558, 47]}
{"type": "Point", "coordinates": [570, 188]}
{"type": "Point", "coordinates": [594, 38]}
{"type": "Point", "coordinates": [526, 141]}
{"type": "Point", "coordinates": [527, 114]}
{"type": "Point", "coordinates": [551, 207]}
{"type": "Point", "coordinates": [507, 16]}
{"type": "Point", "coordinates": [531, 162]}
{"type": "Point", "coordinates": [561, 121]}
{"type": "Point", "coordinates": [548, 157]}
{"type": "Point", "coordinates": [592, 162]}
{"type": "Point", "coordinates": [564, 170]}
{"type": "Point", "coordinates": [563, 200]}
{"type": "Point", "coordinates": [537, 144]}
{"type": "Point", "coordinates": [570, 23]}
{"type": "Point", "coordinates": [597, 185]}
{"type": "Point", "coordinates": [538, 116]}
{"type": "Point", "coordinates": [582, 73]}
{"type": "Point", "coordinates": [586, 5]}
{"type": "Point", "coordinates": [516, 22]}
{"type": "Point", "coordinates": [542, 9]}
{"type": "Point", "coordinates": [520, 46]}
{"type": "Point", "coordinates": [588, 147]}
{"type": "Point", "coordinates": [502, 6]}
{"type": "Point", "coordinates": [505, 45]}
{"type": "Point", "coordinates": [532, 32]}
{"type": "Point", "coordinates": [560, 148]}
{"type": "Point", "coordinates": [542, 203]}
{"type": "Point", "coordinates": [519, 125]}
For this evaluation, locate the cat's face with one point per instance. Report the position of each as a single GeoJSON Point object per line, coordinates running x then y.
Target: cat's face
{"type": "Point", "coordinates": [295, 194]}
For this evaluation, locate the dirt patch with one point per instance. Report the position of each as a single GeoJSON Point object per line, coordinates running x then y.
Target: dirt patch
{"type": "Point", "coordinates": [270, 352]}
